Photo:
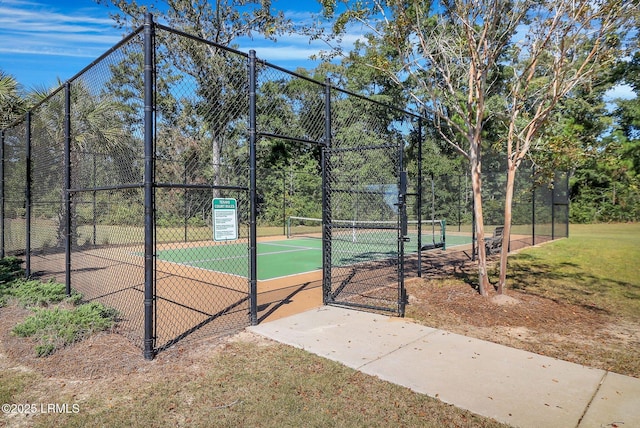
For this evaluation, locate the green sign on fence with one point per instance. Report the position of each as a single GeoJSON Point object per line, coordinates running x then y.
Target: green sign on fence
{"type": "Point", "coordinates": [225, 219]}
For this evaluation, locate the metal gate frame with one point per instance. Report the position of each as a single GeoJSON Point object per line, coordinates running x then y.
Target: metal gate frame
{"type": "Point", "coordinates": [376, 284]}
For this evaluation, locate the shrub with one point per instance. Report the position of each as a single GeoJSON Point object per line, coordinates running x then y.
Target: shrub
{"type": "Point", "coordinates": [59, 327]}
{"type": "Point", "coordinates": [33, 292]}
{"type": "Point", "coordinates": [10, 269]}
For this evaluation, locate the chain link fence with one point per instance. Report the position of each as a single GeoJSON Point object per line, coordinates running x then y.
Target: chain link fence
{"type": "Point", "coordinates": [145, 180]}
{"type": "Point", "coordinates": [75, 198]}
{"type": "Point", "coordinates": [366, 204]}
{"type": "Point", "coordinates": [539, 210]}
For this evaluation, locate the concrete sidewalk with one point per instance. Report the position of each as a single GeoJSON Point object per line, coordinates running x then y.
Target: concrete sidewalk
{"type": "Point", "coordinates": [515, 387]}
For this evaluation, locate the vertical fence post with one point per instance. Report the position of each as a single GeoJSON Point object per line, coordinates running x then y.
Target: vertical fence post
{"type": "Point", "coordinates": [27, 197]}
{"type": "Point", "coordinates": [149, 292]}
{"type": "Point", "coordinates": [419, 197]}
{"type": "Point", "coordinates": [2, 243]}
{"type": "Point", "coordinates": [553, 207]}
{"type": "Point", "coordinates": [402, 229]}
{"type": "Point", "coordinates": [284, 200]}
{"type": "Point", "coordinates": [94, 201]}
{"type": "Point", "coordinates": [533, 205]}
{"type": "Point", "coordinates": [186, 204]}
{"type": "Point", "coordinates": [460, 202]}
{"type": "Point", "coordinates": [474, 249]}
{"type": "Point", "coordinates": [67, 185]}
{"type": "Point", "coordinates": [565, 188]}
{"type": "Point", "coordinates": [253, 229]}
{"type": "Point", "coordinates": [326, 197]}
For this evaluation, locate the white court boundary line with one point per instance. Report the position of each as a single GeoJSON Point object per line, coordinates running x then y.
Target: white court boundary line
{"type": "Point", "coordinates": [194, 264]}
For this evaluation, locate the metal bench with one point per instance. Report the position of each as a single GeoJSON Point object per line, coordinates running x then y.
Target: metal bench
{"type": "Point", "coordinates": [493, 245]}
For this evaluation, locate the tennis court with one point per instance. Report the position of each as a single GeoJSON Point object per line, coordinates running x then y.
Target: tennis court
{"type": "Point", "coordinates": [285, 257]}
{"type": "Point", "coordinates": [275, 258]}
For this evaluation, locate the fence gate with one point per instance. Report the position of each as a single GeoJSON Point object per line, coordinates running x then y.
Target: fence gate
{"type": "Point", "coordinates": [363, 235]}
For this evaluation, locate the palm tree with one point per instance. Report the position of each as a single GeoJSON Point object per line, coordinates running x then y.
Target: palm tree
{"type": "Point", "coordinates": [12, 104]}
{"type": "Point", "coordinates": [99, 141]}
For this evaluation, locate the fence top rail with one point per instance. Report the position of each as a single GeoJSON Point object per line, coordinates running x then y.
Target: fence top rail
{"type": "Point", "coordinates": [181, 33]}
{"type": "Point", "coordinates": [200, 39]}
{"type": "Point", "coordinates": [113, 48]}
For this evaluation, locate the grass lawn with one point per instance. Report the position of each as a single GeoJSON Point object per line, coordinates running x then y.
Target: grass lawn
{"type": "Point", "coordinates": [598, 267]}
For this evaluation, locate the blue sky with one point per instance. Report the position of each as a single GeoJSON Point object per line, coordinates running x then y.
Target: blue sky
{"type": "Point", "coordinates": [43, 40]}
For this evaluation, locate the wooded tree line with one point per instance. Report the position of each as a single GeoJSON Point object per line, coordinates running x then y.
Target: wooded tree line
{"type": "Point", "coordinates": [500, 82]}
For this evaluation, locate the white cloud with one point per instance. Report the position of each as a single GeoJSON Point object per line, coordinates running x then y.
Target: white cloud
{"type": "Point", "coordinates": [41, 39]}
{"type": "Point", "coordinates": [296, 49]}
{"type": "Point", "coordinates": [34, 28]}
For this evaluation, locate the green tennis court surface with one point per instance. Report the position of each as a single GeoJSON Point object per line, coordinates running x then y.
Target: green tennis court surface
{"type": "Point", "coordinates": [284, 257]}
{"type": "Point", "coordinates": [275, 258]}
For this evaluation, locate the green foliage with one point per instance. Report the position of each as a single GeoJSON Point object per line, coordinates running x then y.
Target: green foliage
{"type": "Point", "coordinates": [53, 327]}
{"type": "Point", "coordinates": [295, 189]}
{"type": "Point", "coordinates": [173, 220]}
{"type": "Point", "coordinates": [59, 327]}
{"type": "Point", "coordinates": [34, 292]}
{"type": "Point", "coordinates": [168, 220]}
{"type": "Point", "coordinates": [29, 292]}
{"type": "Point", "coordinates": [600, 142]}
{"type": "Point", "coordinates": [606, 187]}
{"type": "Point", "coordinates": [11, 100]}
{"type": "Point", "coordinates": [10, 269]}
{"type": "Point", "coordinates": [124, 214]}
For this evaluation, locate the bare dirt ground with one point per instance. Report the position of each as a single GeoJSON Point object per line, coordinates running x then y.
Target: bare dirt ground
{"type": "Point", "coordinates": [533, 323]}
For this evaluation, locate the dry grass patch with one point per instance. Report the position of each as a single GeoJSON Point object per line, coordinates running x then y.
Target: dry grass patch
{"type": "Point", "coordinates": [244, 380]}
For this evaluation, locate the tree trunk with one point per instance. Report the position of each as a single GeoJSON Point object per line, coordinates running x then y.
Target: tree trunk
{"type": "Point", "coordinates": [216, 150]}
{"type": "Point", "coordinates": [476, 186]}
{"type": "Point", "coordinates": [508, 215]}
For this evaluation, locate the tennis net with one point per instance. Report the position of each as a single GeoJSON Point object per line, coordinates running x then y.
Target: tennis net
{"type": "Point", "coordinates": [378, 232]}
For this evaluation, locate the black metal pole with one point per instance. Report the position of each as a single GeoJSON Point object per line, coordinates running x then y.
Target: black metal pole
{"type": "Point", "coordinates": [533, 205]}
{"type": "Point", "coordinates": [459, 203]}
{"type": "Point", "coordinates": [326, 195]}
{"type": "Point", "coordinates": [94, 201]}
{"type": "Point", "coordinates": [67, 186]}
{"type": "Point", "coordinates": [419, 197]}
{"type": "Point", "coordinates": [186, 204]}
{"type": "Point", "coordinates": [27, 198]}
{"type": "Point", "coordinates": [284, 201]}
{"type": "Point", "coordinates": [565, 185]}
{"type": "Point", "coordinates": [402, 229]}
{"type": "Point", "coordinates": [474, 249]}
{"type": "Point", "coordinates": [553, 207]}
{"type": "Point", "coordinates": [149, 292]}
{"type": "Point", "coordinates": [253, 229]}
{"type": "Point", "coordinates": [2, 242]}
